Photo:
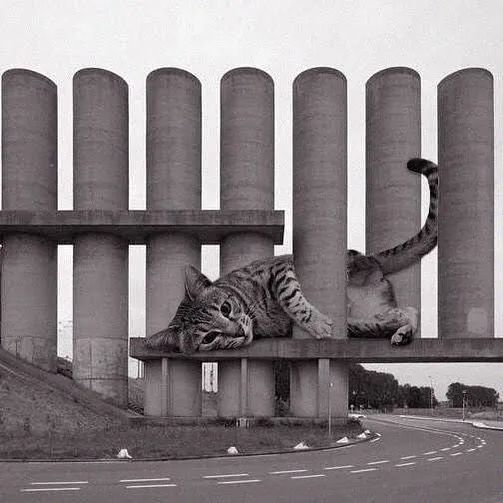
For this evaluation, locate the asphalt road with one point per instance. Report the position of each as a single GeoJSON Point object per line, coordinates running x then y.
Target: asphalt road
{"type": "Point", "coordinates": [412, 461]}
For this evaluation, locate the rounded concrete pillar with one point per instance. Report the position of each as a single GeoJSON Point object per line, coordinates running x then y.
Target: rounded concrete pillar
{"type": "Point", "coordinates": [173, 183]}
{"type": "Point", "coordinates": [319, 229]}
{"type": "Point", "coordinates": [100, 264]}
{"type": "Point", "coordinates": [393, 204]}
{"type": "Point", "coordinates": [246, 182]}
{"type": "Point", "coordinates": [29, 182]}
{"type": "Point", "coordinates": [466, 209]}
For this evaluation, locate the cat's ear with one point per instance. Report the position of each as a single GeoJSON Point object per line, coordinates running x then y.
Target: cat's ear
{"type": "Point", "coordinates": [195, 282]}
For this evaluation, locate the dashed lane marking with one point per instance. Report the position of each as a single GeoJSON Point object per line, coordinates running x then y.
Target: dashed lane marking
{"type": "Point", "coordinates": [226, 475]}
{"type": "Point", "coordinates": [58, 483]}
{"type": "Point", "coordinates": [338, 467]}
{"type": "Point", "coordinates": [409, 457]}
{"type": "Point", "coordinates": [445, 449]}
{"type": "Point", "coordinates": [429, 453]}
{"type": "Point", "coordinates": [247, 481]}
{"type": "Point", "coordinates": [457, 454]}
{"type": "Point", "coordinates": [314, 476]}
{"type": "Point", "coordinates": [47, 489]}
{"type": "Point", "coordinates": [378, 462]}
{"type": "Point", "coordinates": [145, 480]}
{"type": "Point", "coordinates": [436, 459]}
{"type": "Point", "coordinates": [281, 472]}
{"type": "Point", "coordinates": [364, 470]}
{"type": "Point", "coordinates": [406, 464]}
{"type": "Point", "coordinates": [471, 450]}
{"type": "Point", "coordinates": [146, 486]}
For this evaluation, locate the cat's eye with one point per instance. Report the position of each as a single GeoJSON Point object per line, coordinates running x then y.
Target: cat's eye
{"type": "Point", "coordinates": [226, 309]}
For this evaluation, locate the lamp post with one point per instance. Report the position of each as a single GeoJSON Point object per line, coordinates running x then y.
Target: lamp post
{"type": "Point", "coordinates": [330, 385]}
{"type": "Point", "coordinates": [431, 395]}
{"type": "Point", "coordinates": [464, 400]}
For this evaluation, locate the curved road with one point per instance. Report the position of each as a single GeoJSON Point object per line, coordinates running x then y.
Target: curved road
{"type": "Point", "coordinates": [412, 461]}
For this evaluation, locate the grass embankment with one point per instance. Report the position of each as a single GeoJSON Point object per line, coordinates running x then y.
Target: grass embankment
{"type": "Point", "coordinates": [38, 421]}
{"type": "Point", "coordinates": [165, 441]}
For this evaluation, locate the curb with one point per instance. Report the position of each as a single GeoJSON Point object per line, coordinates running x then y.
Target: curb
{"type": "Point", "coordinates": [185, 458]}
{"type": "Point", "coordinates": [475, 424]}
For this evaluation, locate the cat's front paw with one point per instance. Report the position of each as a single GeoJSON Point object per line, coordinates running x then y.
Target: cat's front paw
{"type": "Point", "coordinates": [247, 327]}
{"type": "Point", "coordinates": [320, 326]}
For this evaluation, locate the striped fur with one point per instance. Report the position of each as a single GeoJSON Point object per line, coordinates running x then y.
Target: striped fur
{"type": "Point", "coordinates": [264, 298]}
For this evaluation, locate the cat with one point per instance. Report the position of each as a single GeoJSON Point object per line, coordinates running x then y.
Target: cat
{"type": "Point", "coordinates": [264, 298]}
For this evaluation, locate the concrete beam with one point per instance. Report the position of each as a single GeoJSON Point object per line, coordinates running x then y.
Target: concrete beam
{"type": "Point", "coordinates": [209, 226]}
{"type": "Point", "coordinates": [350, 350]}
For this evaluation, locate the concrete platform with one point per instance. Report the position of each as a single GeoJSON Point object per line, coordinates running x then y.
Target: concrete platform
{"type": "Point", "coordinates": [209, 226]}
{"type": "Point", "coordinates": [351, 350]}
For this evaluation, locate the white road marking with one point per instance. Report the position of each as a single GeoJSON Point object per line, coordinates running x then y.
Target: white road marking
{"type": "Point", "coordinates": [145, 480]}
{"type": "Point", "coordinates": [281, 472]}
{"type": "Point", "coordinates": [150, 485]}
{"type": "Point", "coordinates": [409, 457]}
{"type": "Point", "coordinates": [406, 464]}
{"type": "Point", "coordinates": [457, 454]}
{"type": "Point", "coordinates": [378, 462]}
{"type": "Point", "coordinates": [338, 467]}
{"type": "Point", "coordinates": [429, 452]}
{"type": "Point", "coordinates": [375, 440]}
{"type": "Point", "coordinates": [248, 481]}
{"type": "Point", "coordinates": [445, 449]}
{"type": "Point", "coordinates": [364, 470]}
{"type": "Point", "coordinates": [46, 489]}
{"type": "Point", "coordinates": [308, 476]}
{"type": "Point", "coordinates": [435, 459]}
{"type": "Point", "coordinates": [58, 483]}
{"type": "Point", "coordinates": [470, 450]}
{"type": "Point", "coordinates": [226, 475]}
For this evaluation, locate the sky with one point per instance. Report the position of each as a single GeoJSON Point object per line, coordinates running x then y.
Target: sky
{"type": "Point", "coordinates": [283, 38]}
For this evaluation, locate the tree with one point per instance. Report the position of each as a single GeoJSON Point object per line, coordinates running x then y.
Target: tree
{"type": "Point", "coordinates": [476, 396]}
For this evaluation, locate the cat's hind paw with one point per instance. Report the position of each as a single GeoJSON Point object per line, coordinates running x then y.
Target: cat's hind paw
{"type": "Point", "coordinates": [403, 336]}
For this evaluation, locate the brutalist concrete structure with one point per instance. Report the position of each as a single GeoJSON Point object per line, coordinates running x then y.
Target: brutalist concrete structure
{"type": "Point", "coordinates": [466, 223]}
{"type": "Point", "coordinates": [100, 260]}
{"type": "Point", "coordinates": [393, 136]}
{"type": "Point", "coordinates": [29, 184]}
{"type": "Point", "coordinates": [173, 387]}
{"type": "Point", "coordinates": [173, 226]}
{"type": "Point", "coordinates": [246, 387]}
{"type": "Point", "coordinates": [319, 230]}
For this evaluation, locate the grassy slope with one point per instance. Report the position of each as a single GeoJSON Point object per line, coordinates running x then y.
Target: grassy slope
{"type": "Point", "coordinates": [31, 405]}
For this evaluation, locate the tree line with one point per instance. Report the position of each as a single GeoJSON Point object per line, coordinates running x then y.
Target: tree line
{"type": "Point", "coordinates": [474, 396]}
{"type": "Point", "coordinates": [382, 391]}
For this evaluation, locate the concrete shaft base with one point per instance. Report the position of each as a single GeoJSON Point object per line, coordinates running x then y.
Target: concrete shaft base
{"type": "Point", "coordinates": [245, 388]}
{"type": "Point", "coordinates": [29, 299]}
{"type": "Point", "coordinates": [318, 388]}
{"type": "Point", "coordinates": [100, 329]}
{"type": "Point", "coordinates": [173, 388]}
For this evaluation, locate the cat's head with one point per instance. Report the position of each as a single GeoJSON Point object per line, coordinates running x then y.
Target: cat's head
{"type": "Point", "coordinates": [208, 318]}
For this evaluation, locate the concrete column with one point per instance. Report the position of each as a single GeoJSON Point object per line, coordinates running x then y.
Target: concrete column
{"type": "Point", "coordinates": [246, 182]}
{"type": "Point", "coordinates": [466, 210]}
{"type": "Point", "coordinates": [173, 182]}
{"type": "Point", "coordinates": [393, 136]}
{"type": "Point", "coordinates": [29, 182]}
{"type": "Point", "coordinates": [319, 225]}
{"type": "Point", "coordinates": [100, 264]}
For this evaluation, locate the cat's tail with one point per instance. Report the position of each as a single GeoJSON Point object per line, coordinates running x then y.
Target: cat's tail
{"type": "Point", "coordinates": [405, 254]}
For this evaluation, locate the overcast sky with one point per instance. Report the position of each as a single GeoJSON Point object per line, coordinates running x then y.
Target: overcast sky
{"type": "Point", "coordinates": [359, 38]}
